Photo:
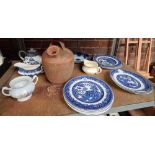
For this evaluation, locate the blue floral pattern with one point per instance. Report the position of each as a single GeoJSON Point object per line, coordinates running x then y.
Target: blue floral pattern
{"type": "Point", "coordinates": [128, 81]}
{"type": "Point", "coordinates": [88, 93]}
{"type": "Point", "coordinates": [109, 62]}
{"type": "Point", "coordinates": [30, 60]}
{"type": "Point", "coordinates": [131, 81]}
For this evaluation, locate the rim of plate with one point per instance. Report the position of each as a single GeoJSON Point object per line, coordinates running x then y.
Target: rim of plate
{"type": "Point", "coordinates": [132, 91]}
{"type": "Point", "coordinates": [89, 112]}
{"type": "Point", "coordinates": [68, 102]}
{"type": "Point", "coordinates": [101, 109]}
{"type": "Point", "coordinates": [33, 73]}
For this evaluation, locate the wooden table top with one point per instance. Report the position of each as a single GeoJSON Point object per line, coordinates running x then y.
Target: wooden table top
{"type": "Point", "coordinates": [44, 103]}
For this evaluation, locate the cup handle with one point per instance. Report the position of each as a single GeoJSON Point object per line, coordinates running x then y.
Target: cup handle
{"type": "Point", "coordinates": [20, 55]}
{"type": "Point", "coordinates": [4, 89]}
{"type": "Point", "coordinates": [35, 79]}
{"type": "Point", "coordinates": [99, 70]}
{"type": "Point", "coordinates": [42, 69]}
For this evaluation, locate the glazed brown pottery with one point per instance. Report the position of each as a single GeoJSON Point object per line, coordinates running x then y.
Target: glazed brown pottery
{"type": "Point", "coordinates": [58, 63]}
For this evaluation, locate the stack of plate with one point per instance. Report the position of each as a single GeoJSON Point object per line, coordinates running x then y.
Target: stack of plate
{"type": "Point", "coordinates": [131, 82]}
{"type": "Point", "coordinates": [88, 95]}
{"type": "Point", "coordinates": [108, 62]}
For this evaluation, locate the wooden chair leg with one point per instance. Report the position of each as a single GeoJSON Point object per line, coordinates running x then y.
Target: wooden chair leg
{"type": "Point", "coordinates": [149, 57]}
{"type": "Point", "coordinates": [146, 58]}
{"type": "Point", "coordinates": [127, 51]}
{"type": "Point", "coordinates": [138, 57]}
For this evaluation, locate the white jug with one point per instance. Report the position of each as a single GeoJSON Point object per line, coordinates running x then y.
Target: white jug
{"type": "Point", "coordinates": [91, 67]}
{"type": "Point", "coordinates": [21, 88]}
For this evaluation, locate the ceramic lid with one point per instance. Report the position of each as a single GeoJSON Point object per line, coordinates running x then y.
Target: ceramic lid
{"type": "Point", "coordinates": [32, 52]}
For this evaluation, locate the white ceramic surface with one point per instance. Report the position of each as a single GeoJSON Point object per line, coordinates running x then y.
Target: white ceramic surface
{"type": "Point", "coordinates": [26, 66]}
{"type": "Point", "coordinates": [21, 88]}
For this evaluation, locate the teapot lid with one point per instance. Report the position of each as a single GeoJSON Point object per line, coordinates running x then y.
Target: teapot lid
{"type": "Point", "coordinates": [32, 50]}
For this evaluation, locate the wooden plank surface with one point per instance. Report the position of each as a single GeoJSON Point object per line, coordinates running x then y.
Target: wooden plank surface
{"type": "Point", "coordinates": [44, 103]}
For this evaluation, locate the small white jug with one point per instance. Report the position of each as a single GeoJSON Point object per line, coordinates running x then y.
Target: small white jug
{"type": "Point", "coordinates": [91, 67]}
{"type": "Point", "coordinates": [21, 88]}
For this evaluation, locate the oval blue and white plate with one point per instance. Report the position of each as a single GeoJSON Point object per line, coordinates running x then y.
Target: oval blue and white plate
{"type": "Point", "coordinates": [108, 62]}
{"type": "Point", "coordinates": [131, 82]}
{"type": "Point", "coordinates": [88, 95]}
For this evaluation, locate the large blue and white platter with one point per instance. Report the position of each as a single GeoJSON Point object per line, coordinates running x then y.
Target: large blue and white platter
{"type": "Point", "coordinates": [131, 82]}
{"type": "Point", "coordinates": [108, 62]}
{"type": "Point", "coordinates": [88, 95]}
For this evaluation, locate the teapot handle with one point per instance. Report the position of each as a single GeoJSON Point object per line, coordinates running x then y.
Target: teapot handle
{"type": "Point", "coordinates": [20, 55]}
{"type": "Point", "coordinates": [3, 91]}
{"type": "Point", "coordinates": [35, 79]}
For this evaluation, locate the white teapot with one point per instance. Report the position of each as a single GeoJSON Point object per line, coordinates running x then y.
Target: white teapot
{"type": "Point", "coordinates": [21, 88]}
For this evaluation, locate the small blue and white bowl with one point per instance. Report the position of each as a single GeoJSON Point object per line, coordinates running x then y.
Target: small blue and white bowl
{"type": "Point", "coordinates": [79, 57]}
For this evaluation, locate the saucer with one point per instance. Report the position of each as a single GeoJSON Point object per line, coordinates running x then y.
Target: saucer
{"type": "Point", "coordinates": [32, 72]}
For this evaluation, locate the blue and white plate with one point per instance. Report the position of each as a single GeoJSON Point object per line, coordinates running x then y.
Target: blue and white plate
{"type": "Point", "coordinates": [88, 95]}
{"type": "Point", "coordinates": [131, 82]}
{"type": "Point", "coordinates": [79, 57]}
{"type": "Point", "coordinates": [108, 62]}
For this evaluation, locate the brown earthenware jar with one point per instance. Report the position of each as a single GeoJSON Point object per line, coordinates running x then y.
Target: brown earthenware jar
{"type": "Point", "coordinates": [58, 63]}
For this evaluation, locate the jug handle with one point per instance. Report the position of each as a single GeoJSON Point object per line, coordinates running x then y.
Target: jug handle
{"type": "Point", "coordinates": [62, 44]}
{"type": "Point", "coordinates": [54, 48]}
{"type": "Point", "coordinates": [35, 79]}
{"type": "Point", "coordinates": [21, 55]}
{"type": "Point", "coordinates": [3, 91]}
{"type": "Point", "coordinates": [99, 70]}
{"type": "Point", "coordinates": [58, 43]}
